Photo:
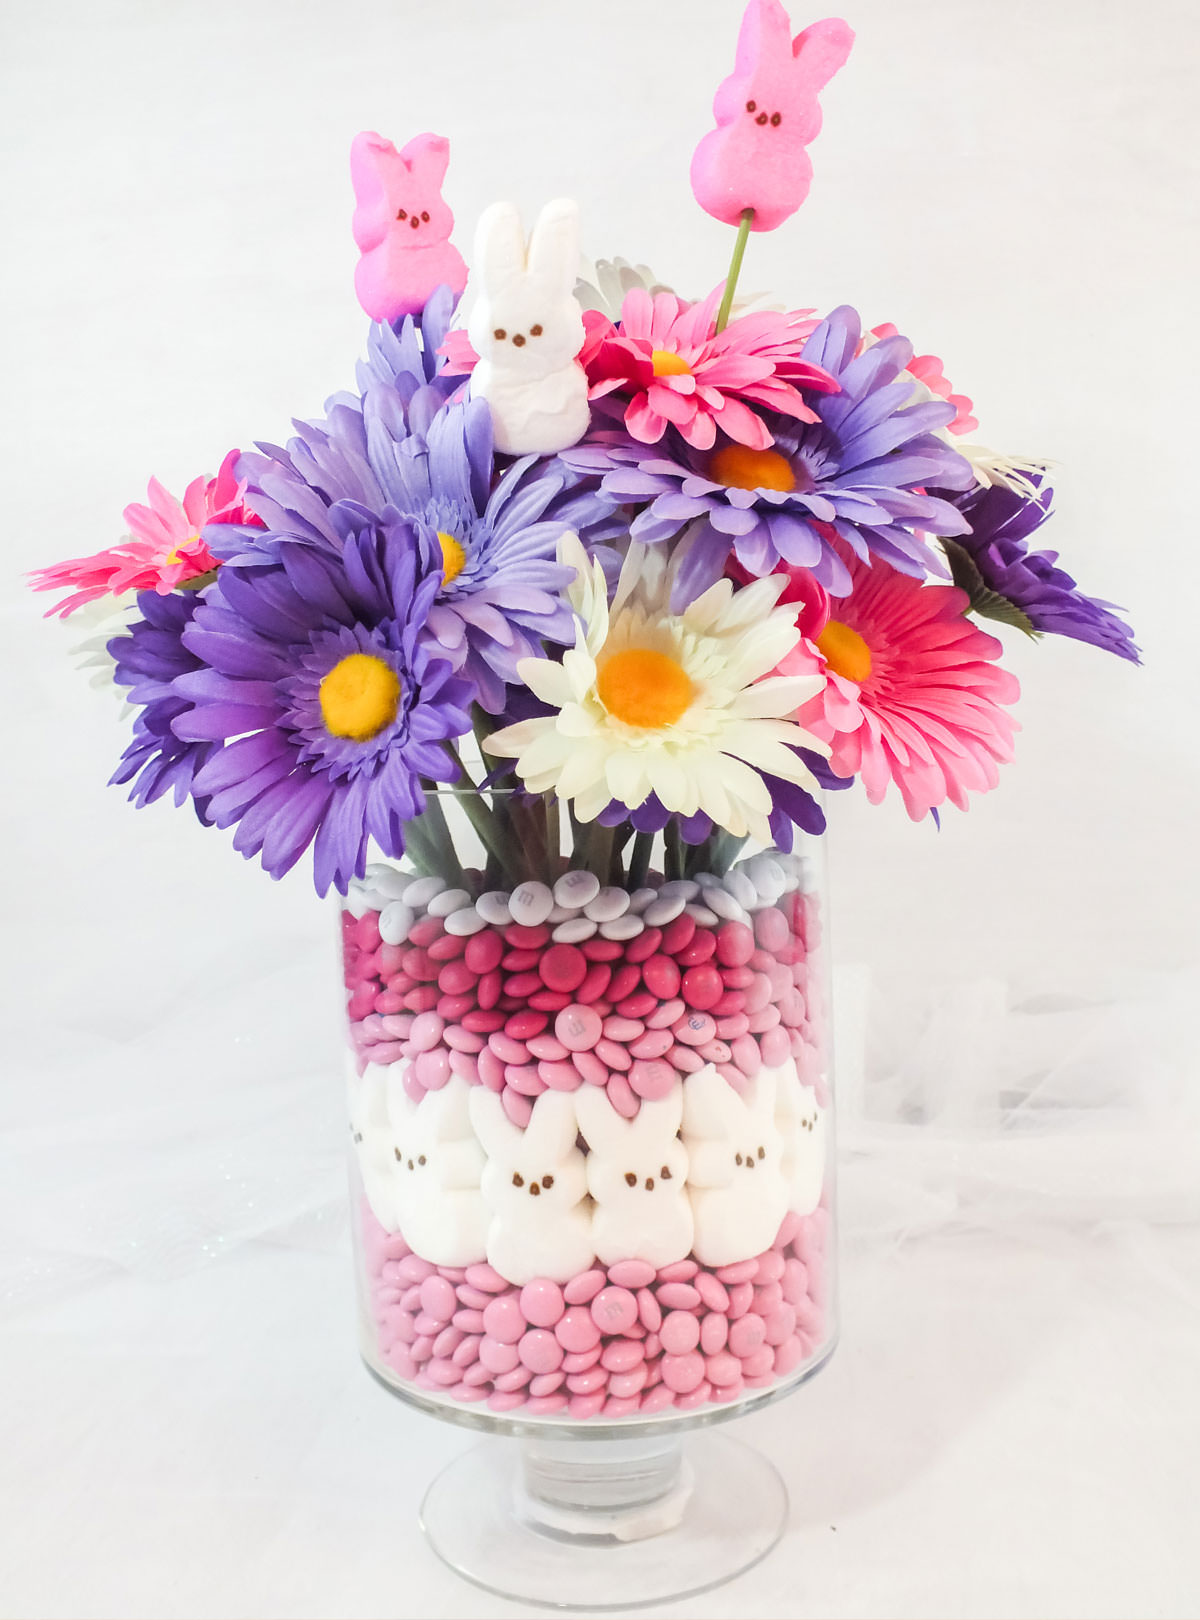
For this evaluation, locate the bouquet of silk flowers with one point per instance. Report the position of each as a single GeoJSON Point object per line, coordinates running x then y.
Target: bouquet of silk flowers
{"type": "Point", "coordinates": [657, 565]}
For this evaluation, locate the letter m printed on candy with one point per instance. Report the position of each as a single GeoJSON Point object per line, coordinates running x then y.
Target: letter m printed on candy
{"type": "Point", "coordinates": [767, 112]}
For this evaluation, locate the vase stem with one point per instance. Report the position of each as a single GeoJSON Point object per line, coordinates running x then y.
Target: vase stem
{"type": "Point", "coordinates": [622, 1490]}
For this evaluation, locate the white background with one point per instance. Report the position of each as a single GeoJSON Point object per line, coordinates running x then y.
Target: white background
{"type": "Point", "coordinates": [1011, 1425]}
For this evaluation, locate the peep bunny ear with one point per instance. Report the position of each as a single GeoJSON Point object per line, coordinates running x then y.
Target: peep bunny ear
{"type": "Point", "coordinates": [448, 1109]}
{"type": "Point", "coordinates": [602, 1126]}
{"type": "Point", "coordinates": [552, 1126]}
{"type": "Point", "coordinates": [499, 246]}
{"type": "Point", "coordinates": [710, 1104]}
{"type": "Point", "coordinates": [822, 49]}
{"type": "Point", "coordinates": [765, 35]}
{"type": "Point", "coordinates": [428, 157]}
{"type": "Point", "coordinates": [498, 1135]}
{"type": "Point", "coordinates": [554, 245]}
{"type": "Point", "coordinates": [765, 1086]}
{"type": "Point", "coordinates": [659, 1119]}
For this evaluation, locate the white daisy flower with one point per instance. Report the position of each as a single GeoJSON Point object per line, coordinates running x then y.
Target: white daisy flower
{"type": "Point", "coordinates": [680, 705]}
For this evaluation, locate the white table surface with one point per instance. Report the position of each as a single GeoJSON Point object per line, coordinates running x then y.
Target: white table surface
{"type": "Point", "coordinates": [1011, 1425]}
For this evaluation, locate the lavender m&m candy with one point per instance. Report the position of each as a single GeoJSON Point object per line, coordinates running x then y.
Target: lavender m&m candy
{"type": "Point", "coordinates": [578, 1027]}
{"type": "Point", "coordinates": [464, 922]}
{"type": "Point", "coordinates": [606, 905]}
{"type": "Point", "coordinates": [576, 890]}
{"type": "Point", "coordinates": [530, 903]}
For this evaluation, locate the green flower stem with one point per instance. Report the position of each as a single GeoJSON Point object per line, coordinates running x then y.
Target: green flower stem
{"type": "Point", "coordinates": [639, 859]}
{"type": "Point", "coordinates": [735, 269]}
{"type": "Point", "coordinates": [435, 834]}
{"type": "Point", "coordinates": [672, 852]}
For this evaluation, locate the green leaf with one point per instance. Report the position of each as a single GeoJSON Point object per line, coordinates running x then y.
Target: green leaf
{"type": "Point", "coordinates": [982, 600]}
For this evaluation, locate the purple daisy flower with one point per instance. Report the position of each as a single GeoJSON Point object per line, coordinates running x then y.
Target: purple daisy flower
{"type": "Point", "coordinates": [1000, 573]}
{"type": "Point", "coordinates": [499, 594]}
{"type": "Point", "coordinates": [329, 701]}
{"type": "Point", "coordinates": [859, 474]}
{"type": "Point", "coordinates": [148, 657]}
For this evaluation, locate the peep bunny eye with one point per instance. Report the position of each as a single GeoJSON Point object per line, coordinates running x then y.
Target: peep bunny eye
{"type": "Point", "coordinates": [421, 1159]}
{"type": "Point", "coordinates": [664, 1174]}
{"type": "Point", "coordinates": [518, 1179]}
{"type": "Point", "coordinates": [500, 333]}
{"type": "Point", "coordinates": [403, 214]}
{"type": "Point", "coordinates": [425, 216]}
{"type": "Point", "coordinates": [762, 1153]}
{"type": "Point", "coordinates": [630, 1179]}
{"type": "Point", "coordinates": [398, 1155]}
{"type": "Point", "coordinates": [776, 119]}
{"type": "Point", "coordinates": [752, 106]}
{"type": "Point", "coordinates": [535, 331]}
{"type": "Point", "coordinates": [547, 1182]}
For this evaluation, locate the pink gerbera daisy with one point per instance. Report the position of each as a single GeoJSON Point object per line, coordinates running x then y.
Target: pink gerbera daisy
{"type": "Point", "coordinates": [164, 548]}
{"type": "Point", "coordinates": [928, 371]}
{"type": "Point", "coordinates": [680, 372]}
{"type": "Point", "coordinates": [912, 691]}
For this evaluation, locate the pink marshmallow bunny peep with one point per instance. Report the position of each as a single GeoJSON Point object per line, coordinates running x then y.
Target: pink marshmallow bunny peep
{"type": "Point", "coordinates": [402, 225]}
{"type": "Point", "coordinates": [767, 112]}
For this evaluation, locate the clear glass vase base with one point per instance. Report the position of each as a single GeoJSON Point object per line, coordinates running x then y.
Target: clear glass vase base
{"type": "Point", "coordinates": [592, 1525]}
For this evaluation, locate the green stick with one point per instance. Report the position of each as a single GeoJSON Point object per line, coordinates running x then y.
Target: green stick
{"type": "Point", "coordinates": [735, 269]}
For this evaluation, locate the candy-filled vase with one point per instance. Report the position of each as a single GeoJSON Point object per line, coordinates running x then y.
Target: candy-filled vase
{"type": "Point", "coordinates": [592, 1178]}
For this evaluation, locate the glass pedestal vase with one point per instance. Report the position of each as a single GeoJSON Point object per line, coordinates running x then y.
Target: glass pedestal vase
{"type": "Point", "coordinates": [591, 1128]}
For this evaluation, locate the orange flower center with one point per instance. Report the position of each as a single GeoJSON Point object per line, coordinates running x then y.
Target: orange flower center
{"type": "Point", "coordinates": [738, 467]}
{"type": "Point", "coordinates": [454, 558]}
{"type": "Point", "coordinates": [644, 688]}
{"type": "Point", "coordinates": [359, 697]}
{"type": "Point", "coordinates": [668, 364]}
{"type": "Point", "coordinates": [846, 653]}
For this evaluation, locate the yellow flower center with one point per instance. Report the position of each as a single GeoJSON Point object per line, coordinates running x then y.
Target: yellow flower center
{"type": "Point", "coordinates": [359, 696]}
{"type": "Point", "coordinates": [668, 364]}
{"type": "Point", "coordinates": [644, 688]}
{"type": "Point", "coordinates": [738, 467]}
{"type": "Point", "coordinates": [454, 558]}
{"type": "Point", "coordinates": [846, 653]}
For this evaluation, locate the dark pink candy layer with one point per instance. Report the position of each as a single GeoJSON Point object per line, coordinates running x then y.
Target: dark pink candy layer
{"type": "Point", "coordinates": [510, 1009]}
{"type": "Point", "coordinates": [612, 1342]}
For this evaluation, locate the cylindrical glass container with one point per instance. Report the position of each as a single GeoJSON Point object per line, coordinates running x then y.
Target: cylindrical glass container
{"type": "Point", "coordinates": [591, 1126]}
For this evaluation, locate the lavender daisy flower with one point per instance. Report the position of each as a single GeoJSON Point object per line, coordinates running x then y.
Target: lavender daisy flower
{"type": "Point", "coordinates": [499, 594]}
{"type": "Point", "coordinates": [330, 702]}
{"type": "Point", "coordinates": [148, 658]}
{"type": "Point", "coordinates": [859, 473]}
{"type": "Point", "coordinates": [1007, 581]}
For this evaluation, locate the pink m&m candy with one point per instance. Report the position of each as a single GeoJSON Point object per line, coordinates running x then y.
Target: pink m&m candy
{"type": "Point", "coordinates": [614, 1310]}
{"type": "Point", "coordinates": [502, 1319]}
{"type": "Point", "coordinates": [563, 967]}
{"type": "Point", "coordinates": [578, 1028]}
{"type": "Point", "coordinates": [651, 1078]}
{"type": "Point", "coordinates": [680, 1332]}
{"type": "Point", "coordinates": [701, 986]}
{"type": "Point", "coordinates": [541, 1304]}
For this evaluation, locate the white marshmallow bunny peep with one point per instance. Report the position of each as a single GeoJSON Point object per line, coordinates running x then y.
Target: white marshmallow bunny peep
{"type": "Point", "coordinates": [435, 1173]}
{"type": "Point", "coordinates": [535, 1188]}
{"type": "Point", "coordinates": [735, 1166]}
{"type": "Point", "coordinates": [371, 1137]}
{"type": "Point", "coordinates": [637, 1173]}
{"type": "Point", "coordinates": [527, 328]}
{"type": "Point", "coordinates": [801, 1122]}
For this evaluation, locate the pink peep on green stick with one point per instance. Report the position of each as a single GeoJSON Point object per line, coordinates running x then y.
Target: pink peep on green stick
{"type": "Point", "coordinates": [767, 112]}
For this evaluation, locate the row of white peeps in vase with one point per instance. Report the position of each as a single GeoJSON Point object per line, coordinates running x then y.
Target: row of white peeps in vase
{"type": "Point", "coordinates": [704, 1171]}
